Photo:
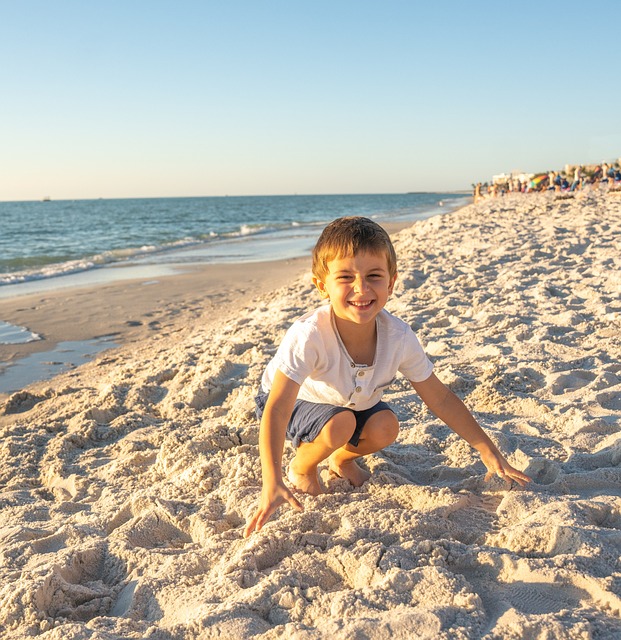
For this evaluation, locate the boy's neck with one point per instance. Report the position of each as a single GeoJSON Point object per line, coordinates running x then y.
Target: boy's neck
{"type": "Point", "coordinates": [359, 339]}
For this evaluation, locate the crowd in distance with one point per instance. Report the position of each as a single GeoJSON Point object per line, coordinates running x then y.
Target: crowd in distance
{"type": "Point", "coordinates": [606, 175]}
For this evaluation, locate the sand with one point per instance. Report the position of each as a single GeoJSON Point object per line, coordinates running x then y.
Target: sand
{"type": "Point", "coordinates": [125, 483]}
{"type": "Point", "coordinates": [132, 310]}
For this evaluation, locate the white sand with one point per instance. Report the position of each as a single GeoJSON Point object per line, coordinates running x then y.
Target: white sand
{"type": "Point", "coordinates": [126, 483]}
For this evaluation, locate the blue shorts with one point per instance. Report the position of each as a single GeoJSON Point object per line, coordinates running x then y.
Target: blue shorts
{"type": "Point", "coordinates": [309, 418]}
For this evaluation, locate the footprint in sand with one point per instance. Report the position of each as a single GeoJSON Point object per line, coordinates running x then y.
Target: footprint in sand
{"type": "Point", "coordinates": [540, 597]}
{"type": "Point", "coordinates": [571, 381]}
{"type": "Point", "coordinates": [532, 592]}
{"type": "Point", "coordinates": [82, 586]}
{"type": "Point", "coordinates": [148, 524]}
{"type": "Point", "coordinates": [475, 516]}
{"type": "Point", "coordinates": [610, 400]}
{"type": "Point", "coordinates": [215, 385]}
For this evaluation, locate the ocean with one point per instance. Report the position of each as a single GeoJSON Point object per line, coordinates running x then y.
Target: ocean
{"type": "Point", "coordinates": [48, 240]}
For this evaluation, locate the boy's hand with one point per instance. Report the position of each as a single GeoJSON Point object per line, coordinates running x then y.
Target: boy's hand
{"type": "Point", "coordinates": [498, 466]}
{"type": "Point", "coordinates": [271, 499]}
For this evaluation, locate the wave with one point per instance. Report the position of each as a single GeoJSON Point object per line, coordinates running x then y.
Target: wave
{"type": "Point", "coordinates": [13, 334]}
{"type": "Point", "coordinates": [38, 266]}
{"type": "Point", "coordinates": [127, 255]}
{"type": "Point", "coordinates": [248, 230]}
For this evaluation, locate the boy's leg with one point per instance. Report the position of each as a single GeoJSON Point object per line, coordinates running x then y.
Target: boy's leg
{"type": "Point", "coordinates": [336, 432]}
{"type": "Point", "coordinates": [380, 430]}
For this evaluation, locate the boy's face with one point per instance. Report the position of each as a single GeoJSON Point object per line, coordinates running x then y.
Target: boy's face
{"type": "Point", "coordinates": [358, 287]}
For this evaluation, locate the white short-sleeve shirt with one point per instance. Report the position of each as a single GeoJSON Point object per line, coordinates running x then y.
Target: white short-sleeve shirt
{"type": "Point", "coordinates": [313, 355]}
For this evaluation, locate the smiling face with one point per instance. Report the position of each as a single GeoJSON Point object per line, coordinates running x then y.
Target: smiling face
{"type": "Point", "coordinates": [358, 286]}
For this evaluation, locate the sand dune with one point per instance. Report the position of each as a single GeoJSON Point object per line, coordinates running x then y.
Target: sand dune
{"type": "Point", "coordinates": [125, 484]}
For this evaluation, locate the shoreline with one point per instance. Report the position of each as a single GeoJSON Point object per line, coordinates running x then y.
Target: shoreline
{"type": "Point", "coordinates": [170, 236]}
{"type": "Point", "coordinates": [134, 310]}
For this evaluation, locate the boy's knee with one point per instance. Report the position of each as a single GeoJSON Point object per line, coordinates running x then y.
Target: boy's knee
{"type": "Point", "coordinates": [391, 427]}
{"type": "Point", "coordinates": [339, 429]}
{"type": "Point", "coordinates": [383, 428]}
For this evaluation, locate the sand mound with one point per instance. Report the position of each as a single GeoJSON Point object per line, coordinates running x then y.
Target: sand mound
{"type": "Point", "coordinates": [125, 484]}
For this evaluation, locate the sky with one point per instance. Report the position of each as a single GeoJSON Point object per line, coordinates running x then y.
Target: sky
{"type": "Point", "coordinates": [154, 98]}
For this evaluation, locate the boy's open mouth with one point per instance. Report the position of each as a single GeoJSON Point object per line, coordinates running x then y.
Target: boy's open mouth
{"type": "Point", "coordinates": [361, 305]}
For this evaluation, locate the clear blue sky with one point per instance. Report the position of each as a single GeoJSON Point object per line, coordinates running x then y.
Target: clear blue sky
{"type": "Point", "coordinates": [124, 98]}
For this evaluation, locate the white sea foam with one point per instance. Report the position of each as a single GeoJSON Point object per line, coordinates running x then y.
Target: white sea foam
{"type": "Point", "coordinates": [12, 334]}
{"type": "Point", "coordinates": [250, 230]}
{"type": "Point", "coordinates": [49, 271]}
{"type": "Point", "coordinates": [93, 262]}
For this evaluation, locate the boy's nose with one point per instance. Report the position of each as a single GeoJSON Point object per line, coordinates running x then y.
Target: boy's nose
{"type": "Point", "coordinates": [360, 286]}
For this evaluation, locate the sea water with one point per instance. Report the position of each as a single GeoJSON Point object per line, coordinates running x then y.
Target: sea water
{"type": "Point", "coordinates": [45, 365]}
{"type": "Point", "coordinates": [46, 240]}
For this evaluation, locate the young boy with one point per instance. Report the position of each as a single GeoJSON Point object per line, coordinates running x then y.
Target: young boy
{"type": "Point", "coordinates": [323, 388]}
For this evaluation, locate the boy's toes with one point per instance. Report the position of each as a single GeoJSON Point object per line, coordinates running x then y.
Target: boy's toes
{"type": "Point", "coordinates": [351, 471]}
{"type": "Point", "coordinates": [334, 471]}
{"type": "Point", "coordinates": [305, 483]}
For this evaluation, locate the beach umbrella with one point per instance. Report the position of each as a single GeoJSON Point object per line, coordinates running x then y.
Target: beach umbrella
{"type": "Point", "coordinates": [537, 180]}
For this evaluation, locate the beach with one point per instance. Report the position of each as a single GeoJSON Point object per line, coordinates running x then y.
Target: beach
{"type": "Point", "coordinates": [126, 481]}
{"type": "Point", "coordinates": [135, 309]}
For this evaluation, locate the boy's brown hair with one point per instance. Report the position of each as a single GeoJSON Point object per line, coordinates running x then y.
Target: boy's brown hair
{"type": "Point", "coordinates": [346, 237]}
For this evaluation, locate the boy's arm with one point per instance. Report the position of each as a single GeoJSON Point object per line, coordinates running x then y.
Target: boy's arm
{"type": "Point", "coordinates": [452, 411]}
{"type": "Point", "coordinates": [274, 423]}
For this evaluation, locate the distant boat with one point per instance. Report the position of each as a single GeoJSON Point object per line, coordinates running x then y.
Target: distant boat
{"type": "Point", "coordinates": [46, 199]}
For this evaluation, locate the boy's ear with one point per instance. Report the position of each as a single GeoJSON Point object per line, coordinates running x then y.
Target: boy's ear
{"type": "Point", "coordinates": [391, 284]}
{"type": "Point", "coordinates": [321, 287]}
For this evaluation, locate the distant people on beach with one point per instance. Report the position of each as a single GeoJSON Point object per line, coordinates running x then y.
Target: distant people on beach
{"type": "Point", "coordinates": [577, 183]}
{"type": "Point", "coordinates": [605, 168]}
{"type": "Point", "coordinates": [604, 175]}
{"type": "Point", "coordinates": [477, 192]}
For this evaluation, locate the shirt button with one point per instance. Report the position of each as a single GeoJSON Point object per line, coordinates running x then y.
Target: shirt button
{"type": "Point", "coordinates": [361, 373]}
{"type": "Point", "coordinates": [358, 389]}
{"type": "Point", "coordinates": [352, 365]}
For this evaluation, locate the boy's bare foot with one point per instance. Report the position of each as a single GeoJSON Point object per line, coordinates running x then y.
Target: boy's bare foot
{"type": "Point", "coordinates": [306, 483]}
{"type": "Point", "coordinates": [349, 470]}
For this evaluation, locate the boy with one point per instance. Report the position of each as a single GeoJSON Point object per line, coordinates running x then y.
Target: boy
{"type": "Point", "coordinates": [323, 388]}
